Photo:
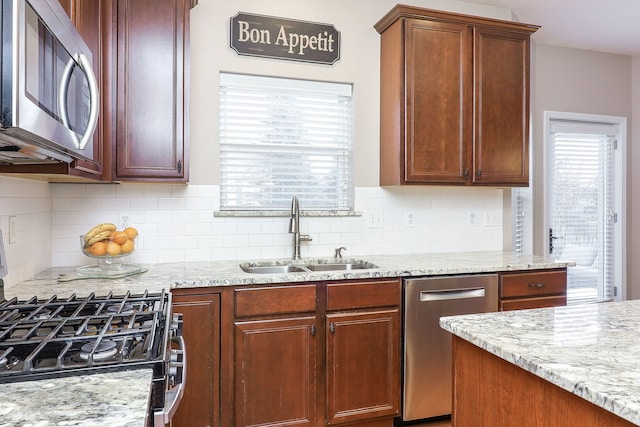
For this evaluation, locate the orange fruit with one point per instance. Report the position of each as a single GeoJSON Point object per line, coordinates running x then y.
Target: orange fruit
{"type": "Point", "coordinates": [113, 249]}
{"type": "Point", "coordinates": [131, 232]}
{"type": "Point", "coordinates": [119, 237]}
{"type": "Point", "coordinates": [127, 246]}
{"type": "Point", "coordinates": [98, 248]}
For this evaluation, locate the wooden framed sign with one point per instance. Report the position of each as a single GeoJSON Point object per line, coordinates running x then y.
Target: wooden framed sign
{"type": "Point", "coordinates": [281, 38]}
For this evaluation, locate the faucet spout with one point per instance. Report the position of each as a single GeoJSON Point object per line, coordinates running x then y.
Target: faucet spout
{"type": "Point", "coordinates": [294, 228]}
{"type": "Point", "coordinates": [294, 221]}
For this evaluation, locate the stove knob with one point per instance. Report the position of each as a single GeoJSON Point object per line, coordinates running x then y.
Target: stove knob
{"type": "Point", "coordinates": [176, 325]}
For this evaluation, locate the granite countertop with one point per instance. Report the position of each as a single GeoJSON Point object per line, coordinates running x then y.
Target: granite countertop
{"type": "Point", "coordinates": [589, 350]}
{"type": "Point", "coordinates": [228, 273]}
{"type": "Point", "coordinates": [114, 399]}
{"type": "Point", "coordinates": [201, 274]}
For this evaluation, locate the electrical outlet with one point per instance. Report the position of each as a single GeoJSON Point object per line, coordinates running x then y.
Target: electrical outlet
{"type": "Point", "coordinates": [375, 219]}
{"type": "Point", "coordinates": [409, 219]}
{"type": "Point", "coordinates": [124, 221]}
{"type": "Point", "coordinates": [493, 219]}
{"type": "Point", "coordinates": [472, 217]}
{"type": "Point", "coordinates": [12, 229]}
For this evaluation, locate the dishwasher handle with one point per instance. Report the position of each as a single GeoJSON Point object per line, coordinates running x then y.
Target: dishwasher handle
{"type": "Point", "coordinates": [450, 294]}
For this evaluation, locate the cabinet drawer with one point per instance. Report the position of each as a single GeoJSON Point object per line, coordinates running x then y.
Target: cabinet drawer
{"type": "Point", "coordinates": [532, 284]}
{"type": "Point", "coordinates": [346, 296]}
{"type": "Point", "coordinates": [275, 300]}
{"type": "Point", "coordinates": [539, 302]}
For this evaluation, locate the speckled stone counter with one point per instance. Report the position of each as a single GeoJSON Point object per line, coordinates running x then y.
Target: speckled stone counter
{"type": "Point", "coordinates": [228, 273]}
{"type": "Point", "coordinates": [591, 350]}
{"type": "Point", "coordinates": [115, 399]}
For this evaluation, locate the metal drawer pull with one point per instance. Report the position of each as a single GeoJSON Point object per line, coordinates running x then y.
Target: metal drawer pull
{"type": "Point", "coordinates": [536, 285]}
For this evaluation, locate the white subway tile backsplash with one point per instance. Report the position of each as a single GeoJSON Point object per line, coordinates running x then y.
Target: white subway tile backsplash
{"type": "Point", "coordinates": [176, 223]}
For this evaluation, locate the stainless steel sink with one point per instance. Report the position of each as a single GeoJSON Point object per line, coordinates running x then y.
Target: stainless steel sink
{"type": "Point", "coordinates": [339, 267]}
{"type": "Point", "coordinates": [309, 268]}
{"type": "Point", "coordinates": [272, 269]}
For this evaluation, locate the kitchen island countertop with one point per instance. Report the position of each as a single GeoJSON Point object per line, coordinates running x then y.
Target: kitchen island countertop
{"type": "Point", "coordinates": [589, 350]}
{"type": "Point", "coordinates": [228, 273]}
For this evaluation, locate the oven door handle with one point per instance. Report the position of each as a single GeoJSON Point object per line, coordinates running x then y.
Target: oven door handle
{"type": "Point", "coordinates": [174, 395]}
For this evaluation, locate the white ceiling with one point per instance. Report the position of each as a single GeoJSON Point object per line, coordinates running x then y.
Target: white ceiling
{"type": "Point", "coordinates": [602, 25]}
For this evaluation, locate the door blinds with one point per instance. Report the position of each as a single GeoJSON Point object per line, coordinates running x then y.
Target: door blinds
{"type": "Point", "coordinates": [582, 206]}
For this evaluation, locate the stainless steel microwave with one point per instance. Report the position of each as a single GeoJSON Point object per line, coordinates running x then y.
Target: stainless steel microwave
{"type": "Point", "coordinates": [48, 92]}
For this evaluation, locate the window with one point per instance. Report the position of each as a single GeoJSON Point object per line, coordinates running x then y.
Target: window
{"type": "Point", "coordinates": [284, 137]}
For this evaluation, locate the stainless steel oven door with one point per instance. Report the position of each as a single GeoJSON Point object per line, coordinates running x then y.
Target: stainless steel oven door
{"type": "Point", "coordinates": [177, 373]}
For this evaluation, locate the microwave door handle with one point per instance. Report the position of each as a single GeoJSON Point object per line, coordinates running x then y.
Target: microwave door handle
{"type": "Point", "coordinates": [84, 64]}
{"type": "Point", "coordinates": [62, 104]}
{"type": "Point", "coordinates": [95, 100]}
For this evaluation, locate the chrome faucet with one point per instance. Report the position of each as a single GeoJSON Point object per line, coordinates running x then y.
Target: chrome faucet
{"type": "Point", "coordinates": [294, 228]}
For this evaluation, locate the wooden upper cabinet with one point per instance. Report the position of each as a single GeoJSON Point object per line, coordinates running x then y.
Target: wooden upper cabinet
{"type": "Point", "coordinates": [501, 105]}
{"type": "Point", "coordinates": [151, 90]}
{"type": "Point", "coordinates": [454, 96]}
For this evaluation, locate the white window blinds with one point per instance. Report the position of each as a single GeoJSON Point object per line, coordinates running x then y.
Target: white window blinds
{"type": "Point", "coordinates": [284, 137]}
{"type": "Point", "coordinates": [582, 202]}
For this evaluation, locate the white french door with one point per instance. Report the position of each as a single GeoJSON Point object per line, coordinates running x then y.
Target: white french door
{"type": "Point", "coordinates": [584, 188]}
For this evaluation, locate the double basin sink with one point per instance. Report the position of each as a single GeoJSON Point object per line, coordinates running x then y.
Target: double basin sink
{"type": "Point", "coordinates": [306, 268]}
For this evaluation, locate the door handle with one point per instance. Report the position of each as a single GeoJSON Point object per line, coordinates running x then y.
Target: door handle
{"type": "Point", "coordinates": [94, 98]}
{"type": "Point", "coordinates": [551, 239]}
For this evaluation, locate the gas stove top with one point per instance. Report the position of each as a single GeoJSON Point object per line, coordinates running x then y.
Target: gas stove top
{"type": "Point", "coordinates": [57, 337]}
{"type": "Point", "coordinates": [42, 338]}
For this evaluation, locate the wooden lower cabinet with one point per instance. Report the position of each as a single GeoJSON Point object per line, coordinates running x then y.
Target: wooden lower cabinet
{"type": "Point", "coordinates": [317, 354]}
{"type": "Point", "coordinates": [275, 372]}
{"type": "Point", "coordinates": [533, 289]}
{"type": "Point", "coordinates": [362, 365]}
{"type": "Point", "coordinates": [200, 404]}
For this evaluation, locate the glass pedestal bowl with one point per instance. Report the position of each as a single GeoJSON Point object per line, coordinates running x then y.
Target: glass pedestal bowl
{"type": "Point", "coordinates": [109, 259]}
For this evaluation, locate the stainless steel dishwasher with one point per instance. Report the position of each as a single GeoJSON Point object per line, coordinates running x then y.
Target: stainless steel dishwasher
{"type": "Point", "coordinates": [427, 347]}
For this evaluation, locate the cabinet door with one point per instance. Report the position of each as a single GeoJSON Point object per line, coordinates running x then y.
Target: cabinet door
{"type": "Point", "coordinates": [200, 403]}
{"type": "Point", "coordinates": [363, 363]}
{"type": "Point", "coordinates": [275, 379]}
{"type": "Point", "coordinates": [501, 93]}
{"type": "Point", "coordinates": [438, 90]}
{"type": "Point", "coordinates": [152, 52]}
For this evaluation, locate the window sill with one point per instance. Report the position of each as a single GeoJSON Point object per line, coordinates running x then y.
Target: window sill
{"type": "Point", "coordinates": [267, 214]}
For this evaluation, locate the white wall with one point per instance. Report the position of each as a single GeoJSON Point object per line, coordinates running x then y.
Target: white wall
{"type": "Point", "coordinates": [359, 64]}
{"type": "Point", "coordinates": [177, 223]}
{"type": "Point", "coordinates": [580, 81]}
{"type": "Point", "coordinates": [633, 188]}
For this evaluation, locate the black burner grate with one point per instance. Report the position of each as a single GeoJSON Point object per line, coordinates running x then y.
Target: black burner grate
{"type": "Point", "coordinates": [63, 336]}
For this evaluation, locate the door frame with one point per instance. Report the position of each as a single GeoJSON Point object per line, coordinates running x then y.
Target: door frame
{"type": "Point", "coordinates": [620, 188]}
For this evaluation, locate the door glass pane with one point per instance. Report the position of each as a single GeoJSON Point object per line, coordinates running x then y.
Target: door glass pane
{"type": "Point", "coordinates": [582, 212]}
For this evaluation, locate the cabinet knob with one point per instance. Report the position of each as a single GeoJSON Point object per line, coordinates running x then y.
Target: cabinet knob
{"type": "Point", "coordinates": [465, 174]}
{"type": "Point", "coordinates": [478, 173]}
{"type": "Point", "coordinates": [536, 285]}
{"type": "Point", "coordinates": [313, 330]}
{"type": "Point", "coordinates": [179, 166]}
{"type": "Point", "coordinates": [332, 327]}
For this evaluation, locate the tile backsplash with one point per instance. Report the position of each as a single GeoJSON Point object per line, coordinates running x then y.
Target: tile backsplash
{"type": "Point", "coordinates": [177, 223]}
{"type": "Point", "coordinates": [29, 248]}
